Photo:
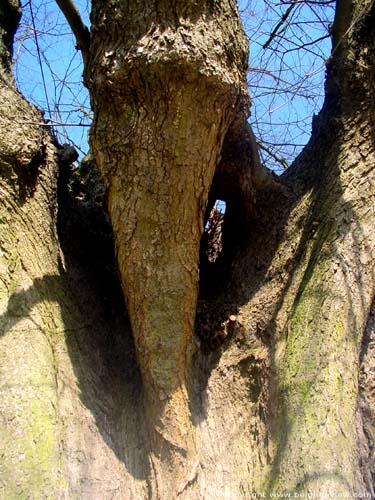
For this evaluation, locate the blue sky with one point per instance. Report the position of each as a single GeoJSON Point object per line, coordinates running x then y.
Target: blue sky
{"type": "Point", "coordinates": [48, 69]}
{"type": "Point", "coordinates": [285, 80]}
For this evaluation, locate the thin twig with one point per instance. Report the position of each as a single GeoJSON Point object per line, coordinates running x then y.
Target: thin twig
{"type": "Point", "coordinates": [53, 123]}
{"type": "Point", "coordinates": [39, 58]}
{"type": "Point", "coordinates": [274, 155]}
{"type": "Point", "coordinates": [280, 23]}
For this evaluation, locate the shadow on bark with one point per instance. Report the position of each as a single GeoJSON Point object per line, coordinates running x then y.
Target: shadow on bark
{"type": "Point", "coordinates": [96, 329]}
{"type": "Point", "coordinates": [329, 219]}
{"type": "Point", "coordinates": [325, 222]}
{"type": "Point", "coordinates": [100, 344]}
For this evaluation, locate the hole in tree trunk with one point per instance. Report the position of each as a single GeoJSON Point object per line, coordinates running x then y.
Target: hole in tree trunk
{"type": "Point", "coordinates": [214, 232]}
{"type": "Point", "coordinates": [212, 250]}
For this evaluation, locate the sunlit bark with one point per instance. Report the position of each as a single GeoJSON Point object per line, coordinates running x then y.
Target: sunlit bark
{"type": "Point", "coordinates": [274, 405]}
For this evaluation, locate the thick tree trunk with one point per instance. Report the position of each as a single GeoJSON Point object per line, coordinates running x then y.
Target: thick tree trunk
{"type": "Point", "coordinates": [29, 253]}
{"type": "Point", "coordinates": [328, 301]}
{"type": "Point", "coordinates": [277, 395]}
{"type": "Point", "coordinates": [69, 413]}
{"type": "Point", "coordinates": [176, 84]}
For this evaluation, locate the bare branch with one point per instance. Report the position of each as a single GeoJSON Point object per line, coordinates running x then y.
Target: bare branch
{"type": "Point", "coordinates": [342, 20]}
{"type": "Point", "coordinates": [79, 29]}
{"type": "Point", "coordinates": [48, 123]}
{"type": "Point", "coordinates": [274, 155]}
{"type": "Point", "coordinates": [280, 23]}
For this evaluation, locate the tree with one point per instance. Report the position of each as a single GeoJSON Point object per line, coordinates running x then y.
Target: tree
{"type": "Point", "coordinates": [283, 405]}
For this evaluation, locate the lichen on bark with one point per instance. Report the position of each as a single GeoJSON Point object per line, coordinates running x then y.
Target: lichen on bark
{"type": "Point", "coordinates": [272, 407]}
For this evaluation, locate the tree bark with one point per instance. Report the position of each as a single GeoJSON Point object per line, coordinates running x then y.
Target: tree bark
{"type": "Point", "coordinates": [62, 348]}
{"type": "Point", "coordinates": [317, 350]}
{"type": "Point", "coordinates": [177, 83]}
{"type": "Point", "coordinates": [28, 261]}
{"type": "Point", "coordinates": [276, 395]}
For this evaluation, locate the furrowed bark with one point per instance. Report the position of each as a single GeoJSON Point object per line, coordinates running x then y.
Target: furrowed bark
{"type": "Point", "coordinates": [30, 458]}
{"type": "Point", "coordinates": [58, 390]}
{"type": "Point", "coordinates": [163, 99]}
{"type": "Point", "coordinates": [330, 295]}
{"type": "Point", "coordinates": [273, 407]}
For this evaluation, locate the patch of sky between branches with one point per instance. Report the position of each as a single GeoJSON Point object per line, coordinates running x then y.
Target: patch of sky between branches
{"type": "Point", "coordinates": [48, 70]}
{"type": "Point", "coordinates": [285, 79]}
{"type": "Point", "coordinates": [286, 72]}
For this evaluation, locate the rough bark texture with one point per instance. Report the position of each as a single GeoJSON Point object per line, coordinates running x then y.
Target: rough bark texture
{"type": "Point", "coordinates": [177, 81]}
{"type": "Point", "coordinates": [277, 397]}
{"type": "Point", "coordinates": [29, 442]}
{"type": "Point", "coordinates": [324, 266]}
{"type": "Point", "coordinates": [317, 351]}
{"type": "Point", "coordinates": [66, 427]}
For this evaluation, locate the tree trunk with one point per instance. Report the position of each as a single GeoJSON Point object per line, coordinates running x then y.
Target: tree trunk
{"type": "Point", "coordinates": [276, 396]}
{"type": "Point", "coordinates": [71, 420]}
{"type": "Point", "coordinates": [28, 262]}
{"type": "Point", "coordinates": [177, 83]}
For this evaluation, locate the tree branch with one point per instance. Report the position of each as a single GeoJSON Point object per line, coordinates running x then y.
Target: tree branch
{"type": "Point", "coordinates": [280, 23]}
{"type": "Point", "coordinates": [274, 155]}
{"type": "Point", "coordinates": [79, 29]}
{"type": "Point", "coordinates": [342, 22]}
